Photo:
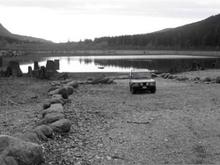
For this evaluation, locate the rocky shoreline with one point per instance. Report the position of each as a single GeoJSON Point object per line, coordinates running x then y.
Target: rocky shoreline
{"type": "Point", "coordinates": [74, 117]}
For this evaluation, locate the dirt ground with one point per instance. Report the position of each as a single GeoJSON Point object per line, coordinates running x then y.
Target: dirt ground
{"type": "Point", "coordinates": [180, 124]}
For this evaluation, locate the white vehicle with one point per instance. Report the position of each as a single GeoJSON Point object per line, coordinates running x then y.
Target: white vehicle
{"type": "Point", "coordinates": [141, 80]}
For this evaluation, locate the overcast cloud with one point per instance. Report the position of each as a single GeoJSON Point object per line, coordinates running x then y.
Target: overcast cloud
{"type": "Point", "coordinates": [171, 13]}
{"type": "Point", "coordinates": [170, 8]}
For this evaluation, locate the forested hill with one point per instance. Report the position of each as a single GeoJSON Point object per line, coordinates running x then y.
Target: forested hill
{"type": "Point", "coordinates": [204, 34]}
{"type": "Point", "coordinates": [8, 38]}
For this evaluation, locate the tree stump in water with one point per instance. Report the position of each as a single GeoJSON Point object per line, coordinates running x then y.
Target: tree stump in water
{"type": "Point", "coordinates": [13, 69]}
{"type": "Point", "coordinates": [36, 66]}
{"type": "Point", "coordinates": [57, 64]}
{"type": "Point", "coordinates": [30, 71]}
{"type": "Point", "coordinates": [50, 65]}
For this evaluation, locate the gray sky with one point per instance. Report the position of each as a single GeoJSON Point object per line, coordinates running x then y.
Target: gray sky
{"type": "Point", "coordinates": [62, 20]}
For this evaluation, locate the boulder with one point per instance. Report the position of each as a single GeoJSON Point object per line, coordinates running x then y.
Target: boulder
{"type": "Point", "coordinates": [69, 90]}
{"type": "Point", "coordinates": [73, 84]}
{"type": "Point", "coordinates": [62, 91]}
{"type": "Point", "coordinates": [44, 132]}
{"type": "Point", "coordinates": [51, 117]}
{"type": "Point", "coordinates": [61, 126]}
{"type": "Point", "coordinates": [28, 137]}
{"type": "Point", "coordinates": [14, 150]}
{"type": "Point", "coordinates": [54, 108]}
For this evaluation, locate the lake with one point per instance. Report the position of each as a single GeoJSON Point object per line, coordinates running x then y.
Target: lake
{"type": "Point", "coordinates": [160, 63]}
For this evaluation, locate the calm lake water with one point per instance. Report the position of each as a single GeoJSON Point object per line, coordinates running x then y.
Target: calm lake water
{"type": "Point", "coordinates": [161, 63]}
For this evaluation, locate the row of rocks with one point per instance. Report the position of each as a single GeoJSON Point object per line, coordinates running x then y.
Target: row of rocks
{"type": "Point", "coordinates": [100, 80]}
{"type": "Point", "coordinates": [194, 79]}
{"type": "Point", "coordinates": [25, 148]}
{"type": "Point", "coordinates": [97, 80]}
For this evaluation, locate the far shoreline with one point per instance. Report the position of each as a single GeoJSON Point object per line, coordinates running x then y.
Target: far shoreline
{"type": "Point", "coordinates": [124, 53]}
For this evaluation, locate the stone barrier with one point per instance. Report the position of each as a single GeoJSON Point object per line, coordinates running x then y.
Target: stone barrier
{"type": "Point", "coordinates": [25, 148]}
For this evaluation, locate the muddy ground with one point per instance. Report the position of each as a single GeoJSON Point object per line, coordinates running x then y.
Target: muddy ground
{"type": "Point", "coordinates": [180, 124]}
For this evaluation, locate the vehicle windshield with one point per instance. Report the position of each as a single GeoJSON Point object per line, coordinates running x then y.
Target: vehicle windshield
{"type": "Point", "coordinates": [140, 75]}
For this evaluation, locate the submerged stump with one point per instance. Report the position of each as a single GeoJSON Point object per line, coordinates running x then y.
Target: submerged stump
{"type": "Point", "coordinates": [14, 69]}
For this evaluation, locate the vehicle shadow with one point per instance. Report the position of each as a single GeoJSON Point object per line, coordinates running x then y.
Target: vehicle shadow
{"type": "Point", "coordinates": [142, 92]}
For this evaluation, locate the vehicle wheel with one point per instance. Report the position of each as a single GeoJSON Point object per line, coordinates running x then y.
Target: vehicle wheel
{"type": "Point", "coordinates": [132, 90]}
{"type": "Point", "coordinates": [153, 90]}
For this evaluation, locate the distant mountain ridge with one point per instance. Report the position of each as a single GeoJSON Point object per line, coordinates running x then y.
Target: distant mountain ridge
{"type": "Point", "coordinates": [10, 37]}
{"type": "Point", "coordinates": [201, 35]}
{"type": "Point", "coordinates": [4, 31]}
{"type": "Point", "coordinates": [204, 34]}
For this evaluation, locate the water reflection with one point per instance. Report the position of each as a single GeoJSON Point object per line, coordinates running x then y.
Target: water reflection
{"type": "Point", "coordinates": [164, 63]}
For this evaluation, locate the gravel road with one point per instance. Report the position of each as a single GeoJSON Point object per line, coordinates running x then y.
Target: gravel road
{"type": "Point", "coordinates": [180, 124]}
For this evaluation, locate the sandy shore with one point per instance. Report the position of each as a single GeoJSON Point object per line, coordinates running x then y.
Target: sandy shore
{"type": "Point", "coordinates": [177, 125]}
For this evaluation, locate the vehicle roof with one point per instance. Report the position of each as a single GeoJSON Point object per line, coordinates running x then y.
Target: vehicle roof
{"type": "Point", "coordinates": [140, 70]}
